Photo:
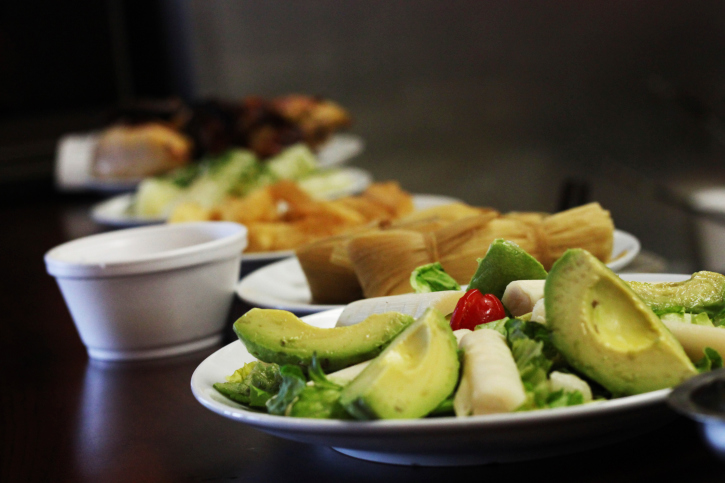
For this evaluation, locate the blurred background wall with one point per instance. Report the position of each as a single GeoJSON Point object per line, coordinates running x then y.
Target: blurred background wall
{"type": "Point", "coordinates": [511, 104]}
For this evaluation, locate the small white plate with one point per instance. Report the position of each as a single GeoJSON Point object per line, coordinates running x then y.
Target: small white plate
{"type": "Point", "coordinates": [626, 248]}
{"type": "Point", "coordinates": [283, 285]}
{"type": "Point", "coordinates": [445, 441]}
{"type": "Point", "coordinates": [116, 211]}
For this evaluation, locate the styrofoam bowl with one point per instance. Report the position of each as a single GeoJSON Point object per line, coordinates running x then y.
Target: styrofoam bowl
{"type": "Point", "coordinates": [149, 292]}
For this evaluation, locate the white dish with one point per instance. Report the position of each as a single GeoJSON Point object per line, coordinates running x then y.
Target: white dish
{"type": "Point", "coordinates": [626, 248]}
{"type": "Point", "coordinates": [448, 440]}
{"type": "Point", "coordinates": [116, 211]}
{"type": "Point", "coordinates": [74, 157]}
{"type": "Point", "coordinates": [282, 285]}
{"type": "Point", "coordinates": [150, 291]}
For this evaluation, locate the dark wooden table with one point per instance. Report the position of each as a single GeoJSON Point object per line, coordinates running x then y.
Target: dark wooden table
{"type": "Point", "coordinates": [65, 418]}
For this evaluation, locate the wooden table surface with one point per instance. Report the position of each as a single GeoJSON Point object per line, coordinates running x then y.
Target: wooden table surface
{"type": "Point", "coordinates": [65, 418]}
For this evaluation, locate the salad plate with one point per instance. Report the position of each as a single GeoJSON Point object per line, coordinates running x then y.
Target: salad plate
{"type": "Point", "coordinates": [117, 211]}
{"type": "Point", "coordinates": [74, 158]}
{"type": "Point", "coordinates": [283, 285]}
{"type": "Point", "coordinates": [445, 441]}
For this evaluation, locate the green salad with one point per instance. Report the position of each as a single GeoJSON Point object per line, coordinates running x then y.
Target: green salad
{"type": "Point", "coordinates": [535, 340]}
{"type": "Point", "coordinates": [237, 172]}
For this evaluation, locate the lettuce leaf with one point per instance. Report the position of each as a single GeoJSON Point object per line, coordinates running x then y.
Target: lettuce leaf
{"type": "Point", "coordinates": [432, 278]}
{"type": "Point", "coordinates": [297, 398]}
{"type": "Point", "coordinates": [713, 315]}
{"type": "Point", "coordinates": [252, 384]}
{"type": "Point", "coordinates": [710, 361]}
{"type": "Point", "coordinates": [293, 383]}
{"type": "Point", "coordinates": [535, 358]}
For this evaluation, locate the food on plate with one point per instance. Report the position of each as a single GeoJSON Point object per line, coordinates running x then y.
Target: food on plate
{"type": "Point", "coordinates": [316, 117]}
{"type": "Point", "coordinates": [151, 138]}
{"type": "Point", "coordinates": [383, 259]}
{"type": "Point", "coordinates": [330, 283]}
{"type": "Point", "coordinates": [503, 263]}
{"type": "Point", "coordinates": [207, 183]}
{"type": "Point", "coordinates": [432, 278]}
{"type": "Point", "coordinates": [598, 340]}
{"type": "Point", "coordinates": [331, 273]}
{"type": "Point", "coordinates": [411, 377]}
{"type": "Point", "coordinates": [704, 293]}
{"type": "Point", "coordinates": [284, 216]}
{"type": "Point", "coordinates": [280, 337]}
{"type": "Point", "coordinates": [490, 382]}
{"type": "Point", "coordinates": [475, 308]}
{"type": "Point", "coordinates": [253, 384]}
{"type": "Point", "coordinates": [133, 152]}
{"type": "Point", "coordinates": [521, 295]}
{"type": "Point", "coordinates": [607, 332]}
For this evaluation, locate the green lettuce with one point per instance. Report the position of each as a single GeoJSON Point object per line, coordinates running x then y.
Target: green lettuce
{"type": "Point", "coordinates": [432, 278]}
{"type": "Point", "coordinates": [535, 358]}
{"type": "Point", "coordinates": [710, 361]}
{"type": "Point", "coordinates": [320, 399]}
{"type": "Point", "coordinates": [687, 318]}
{"type": "Point", "coordinates": [295, 162]}
{"type": "Point", "coordinates": [293, 383]}
{"type": "Point", "coordinates": [253, 384]}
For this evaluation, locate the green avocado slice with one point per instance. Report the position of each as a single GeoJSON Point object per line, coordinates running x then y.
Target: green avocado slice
{"type": "Point", "coordinates": [411, 377]}
{"type": "Point", "coordinates": [606, 331]}
{"type": "Point", "coordinates": [703, 292]}
{"type": "Point", "coordinates": [281, 337]}
{"type": "Point", "coordinates": [504, 262]}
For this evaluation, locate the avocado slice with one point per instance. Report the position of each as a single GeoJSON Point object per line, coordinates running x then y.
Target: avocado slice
{"type": "Point", "coordinates": [411, 377]}
{"type": "Point", "coordinates": [281, 337]}
{"type": "Point", "coordinates": [703, 292]}
{"type": "Point", "coordinates": [607, 332]}
{"type": "Point", "coordinates": [504, 262]}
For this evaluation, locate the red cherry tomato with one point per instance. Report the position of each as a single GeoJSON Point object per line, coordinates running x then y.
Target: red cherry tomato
{"type": "Point", "coordinates": [475, 308]}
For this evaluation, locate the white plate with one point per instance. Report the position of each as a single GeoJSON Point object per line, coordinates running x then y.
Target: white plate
{"type": "Point", "coordinates": [448, 440]}
{"type": "Point", "coordinates": [626, 248]}
{"type": "Point", "coordinates": [116, 211]}
{"type": "Point", "coordinates": [74, 156]}
{"type": "Point", "coordinates": [283, 285]}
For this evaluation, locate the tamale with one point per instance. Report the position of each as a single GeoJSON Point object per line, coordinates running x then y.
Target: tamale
{"type": "Point", "coordinates": [389, 195]}
{"type": "Point", "coordinates": [330, 283]}
{"type": "Point", "coordinates": [383, 260]}
{"type": "Point", "coordinates": [462, 242]}
{"type": "Point", "coordinates": [589, 227]}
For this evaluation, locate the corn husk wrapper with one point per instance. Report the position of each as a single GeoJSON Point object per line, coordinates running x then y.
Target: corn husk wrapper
{"type": "Point", "coordinates": [461, 243]}
{"type": "Point", "coordinates": [331, 283]}
{"type": "Point", "coordinates": [383, 261]}
{"type": "Point", "coordinates": [588, 226]}
{"type": "Point", "coordinates": [340, 256]}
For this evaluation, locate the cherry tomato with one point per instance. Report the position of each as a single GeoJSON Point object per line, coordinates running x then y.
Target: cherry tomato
{"type": "Point", "coordinates": [475, 308]}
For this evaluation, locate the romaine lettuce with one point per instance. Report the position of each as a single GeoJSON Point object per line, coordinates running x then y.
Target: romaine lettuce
{"type": "Point", "coordinates": [432, 278]}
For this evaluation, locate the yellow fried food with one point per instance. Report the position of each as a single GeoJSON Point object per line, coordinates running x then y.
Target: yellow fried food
{"type": "Point", "coordinates": [283, 216]}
